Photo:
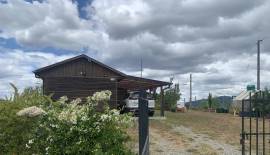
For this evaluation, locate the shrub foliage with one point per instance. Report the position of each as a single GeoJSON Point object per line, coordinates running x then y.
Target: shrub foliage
{"type": "Point", "coordinates": [63, 128]}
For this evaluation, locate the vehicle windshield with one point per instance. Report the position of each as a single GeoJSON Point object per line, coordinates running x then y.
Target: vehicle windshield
{"type": "Point", "coordinates": [135, 95]}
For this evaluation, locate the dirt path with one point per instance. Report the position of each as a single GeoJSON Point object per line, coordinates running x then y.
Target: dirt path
{"type": "Point", "coordinates": [165, 143]}
{"type": "Point", "coordinates": [202, 139]}
{"type": "Point", "coordinates": [181, 140]}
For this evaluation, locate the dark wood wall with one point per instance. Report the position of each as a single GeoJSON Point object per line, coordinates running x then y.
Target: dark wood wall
{"type": "Point", "coordinates": [78, 68]}
{"type": "Point", "coordinates": [79, 79]}
{"type": "Point", "coordinates": [81, 87]}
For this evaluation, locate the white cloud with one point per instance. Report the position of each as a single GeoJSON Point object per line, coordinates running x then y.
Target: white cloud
{"type": "Point", "coordinates": [227, 78]}
{"type": "Point", "coordinates": [52, 23]}
{"type": "Point", "coordinates": [213, 39]}
{"type": "Point", "coordinates": [17, 67]}
{"type": "Point", "coordinates": [128, 18]}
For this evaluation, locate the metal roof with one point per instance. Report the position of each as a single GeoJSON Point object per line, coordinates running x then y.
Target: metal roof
{"type": "Point", "coordinates": [244, 95]}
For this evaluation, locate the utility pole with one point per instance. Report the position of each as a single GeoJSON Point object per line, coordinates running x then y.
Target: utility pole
{"type": "Point", "coordinates": [258, 64]}
{"type": "Point", "coordinates": [141, 67]}
{"type": "Point", "coordinates": [190, 91]}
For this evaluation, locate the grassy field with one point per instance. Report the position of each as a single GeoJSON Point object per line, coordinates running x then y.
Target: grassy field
{"type": "Point", "coordinates": [224, 127]}
{"type": "Point", "coordinates": [218, 126]}
{"type": "Point", "coordinates": [204, 130]}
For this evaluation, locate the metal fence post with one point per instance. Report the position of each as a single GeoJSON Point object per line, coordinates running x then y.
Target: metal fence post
{"type": "Point", "coordinates": [257, 125]}
{"type": "Point", "coordinates": [243, 129]}
{"type": "Point", "coordinates": [143, 124]}
{"type": "Point", "coordinates": [250, 123]}
{"type": "Point", "coordinates": [263, 113]}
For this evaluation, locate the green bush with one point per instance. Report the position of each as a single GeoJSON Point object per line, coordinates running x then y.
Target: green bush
{"type": "Point", "coordinates": [15, 131]}
{"type": "Point", "coordinates": [173, 108]}
{"type": "Point", "coordinates": [80, 129]}
{"type": "Point", "coordinates": [65, 128]}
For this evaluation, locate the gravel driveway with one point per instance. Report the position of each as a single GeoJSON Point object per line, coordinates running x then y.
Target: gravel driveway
{"type": "Point", "coordinates": [181, 140]}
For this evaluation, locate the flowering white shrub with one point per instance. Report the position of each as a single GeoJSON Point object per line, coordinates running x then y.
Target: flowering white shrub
{"type": "Point", "coordinates": [72, 111]}
{"type": "Point", "coordinates": [80, 129]}
{"type": "Point", "coordinates": [31, 112]}
{"type": "Point", "coordinates": [76, 101]}
{"type": "Point", "coordinates": [63, 99]}
{"type": "Point", "coordinates": [101, 96]}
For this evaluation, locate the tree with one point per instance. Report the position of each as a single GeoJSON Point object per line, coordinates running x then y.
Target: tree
{"type": "Point", "coordinates": [210, 100]}
{"type": "Point", "coordinates": [171, 97]}
{"type": "Point", "coordinates": [203, 105]}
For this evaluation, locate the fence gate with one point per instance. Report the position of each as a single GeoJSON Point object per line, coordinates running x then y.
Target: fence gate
{"type": "Point", "coordinates": [255, 134]}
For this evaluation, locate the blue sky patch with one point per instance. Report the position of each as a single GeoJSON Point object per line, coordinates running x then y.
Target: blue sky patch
{"type": "Point", "coordinates": [10, 43]}
{"type": "Point", "coordinates": [81, 7]}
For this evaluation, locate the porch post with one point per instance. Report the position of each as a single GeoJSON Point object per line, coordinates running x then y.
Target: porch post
{"type": "Point", "coordinates": [116, 93]}
{"type": "Point", "coordinates": [161, 102]}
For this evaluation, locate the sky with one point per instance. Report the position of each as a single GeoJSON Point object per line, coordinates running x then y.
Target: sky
{"type": "Point", "coordinates": [215, 40]}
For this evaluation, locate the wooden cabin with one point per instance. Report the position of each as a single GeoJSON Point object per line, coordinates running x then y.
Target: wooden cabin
{"type": "Point", "coordinates": [82, 76]}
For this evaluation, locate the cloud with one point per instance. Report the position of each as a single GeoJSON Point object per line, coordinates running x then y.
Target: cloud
{"type": "Point", "coordinates": [17, 67]}
{"type": "Point", "coordinates": [213, 39]}
{"type": "Point", "coordinates": [128, 18]}
{"type": "Point", "coordinates": [178, 35]}
{"type": "Point", "coordinates": [52, 23]}
{"type": "Point", "coordinates": [228, 78]}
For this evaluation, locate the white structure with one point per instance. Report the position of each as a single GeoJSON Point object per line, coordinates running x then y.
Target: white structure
{"type": "Point", "coordinates": [237, 101]}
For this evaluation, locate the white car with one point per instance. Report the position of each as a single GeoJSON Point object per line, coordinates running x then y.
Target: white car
{"type": "Point", "coordinates": [180, 104]}
{"type": "Point", "coordinates": [132, 103]}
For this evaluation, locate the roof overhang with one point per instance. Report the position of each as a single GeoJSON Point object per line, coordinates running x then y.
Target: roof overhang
{"type": "Point", "coordinates": [137, 83]}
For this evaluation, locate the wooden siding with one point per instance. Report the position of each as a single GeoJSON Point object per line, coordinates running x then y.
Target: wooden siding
{"type": "Point", "coordinates": [78, 68]}
{"type": "Point", "coordinates": [80, 87]}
